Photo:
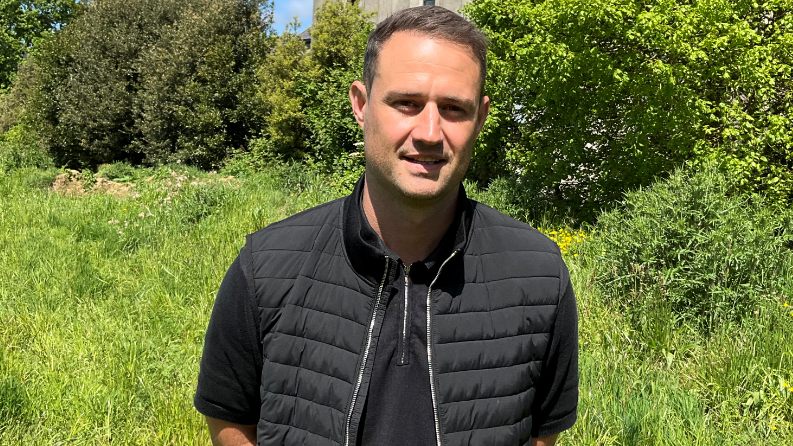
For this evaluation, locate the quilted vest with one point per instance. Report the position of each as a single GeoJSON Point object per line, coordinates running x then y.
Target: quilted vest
{"type": "Point", "coordinates": [491, 309]}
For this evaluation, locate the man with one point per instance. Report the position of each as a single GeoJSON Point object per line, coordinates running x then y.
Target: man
{"type": "Point", "coordinates": [404, 314]}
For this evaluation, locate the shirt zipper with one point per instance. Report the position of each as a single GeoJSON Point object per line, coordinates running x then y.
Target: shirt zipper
{"type": "Point", "coordinates": [429, 351]}
{"type": "Point", "coordinates": [366, 351]}
{"type": "Point", "coordinates": [405, 337]}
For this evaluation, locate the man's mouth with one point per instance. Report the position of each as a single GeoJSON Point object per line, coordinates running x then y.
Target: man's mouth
{"type": "Point", "coordinates": [423, 160]}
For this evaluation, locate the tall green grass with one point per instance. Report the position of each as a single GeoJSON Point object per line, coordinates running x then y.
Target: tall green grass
{"type": "Point", "coordinates": [104, 302]}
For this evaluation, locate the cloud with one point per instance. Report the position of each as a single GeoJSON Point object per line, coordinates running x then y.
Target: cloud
{"type": "Point", "coordinates": [286, 9]}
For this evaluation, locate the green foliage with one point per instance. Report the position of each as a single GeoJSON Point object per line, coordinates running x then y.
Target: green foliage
{"type": "Point", "coordinates": [10, 110]}
{"type": "Point", "coordinates": [339, 33]}
{"type": "Point", "coordinates": [595, 98]}
{"type": "Point", "coordinates": [19, 149]}
{"type": "Point", "coordinates": [196, 203]}
{"type": "Point", "coordinates": [520, 198]}
{"type": "Point", "coordinates": [118, 172]}
{"type": "Point", "coordinates": [331, 128]}
{"type": "Point", "coordinates": [337, 47]}
{"type": "Point", "coordinates": [305, 92]}
{"type": "Point", "coordinates": [23, 23]}
{"type": "Point", "coordinates": [282, 106]}
{"type": "Point", "coordinates": [152, 81]}
{"type": "Point", "coordinates": [258, 158]}
{"type": "Point", "coordinates": [346, 169]}
{"type": "Point", "coordinates": [691, 249]}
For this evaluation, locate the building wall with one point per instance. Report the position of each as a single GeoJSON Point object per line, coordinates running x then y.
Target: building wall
{"type": "Point", "coordinates": [385, 8]}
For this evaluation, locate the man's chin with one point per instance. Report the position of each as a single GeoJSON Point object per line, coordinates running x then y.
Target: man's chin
{"type": "Point", "coordinates": [426, 193]}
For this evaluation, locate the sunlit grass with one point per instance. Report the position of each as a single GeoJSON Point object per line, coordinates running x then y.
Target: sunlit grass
{"type": "Point", "coordinates": [104, 302]}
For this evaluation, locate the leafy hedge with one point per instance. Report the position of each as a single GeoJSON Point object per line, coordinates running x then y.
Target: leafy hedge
{"type": "Point", "coordinates": [599, 97]}
{"type": "Point", "coordinates": [152, 81]}
{"type": "Point", "coordinates": [694, 245]}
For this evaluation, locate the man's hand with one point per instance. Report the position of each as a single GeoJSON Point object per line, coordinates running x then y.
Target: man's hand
{"type": "Point", "coordinates": [224, 433]}
{"type": "Point", "coordinates": [545, 441]}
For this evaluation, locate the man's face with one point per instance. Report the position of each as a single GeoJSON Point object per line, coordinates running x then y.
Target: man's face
{"type": "Point", "coordinates": [421, 116]}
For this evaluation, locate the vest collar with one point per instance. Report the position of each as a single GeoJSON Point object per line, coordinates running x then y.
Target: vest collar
{"type": "Point", "coordinates": [366, 251]}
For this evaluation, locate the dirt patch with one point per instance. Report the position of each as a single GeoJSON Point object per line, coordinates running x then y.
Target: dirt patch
{"type": "Point", "coordinates": [118, 190]}
{"type": "Point", "coordinates": [69, 183]}
{"type": "Point", "coordinates": [76, 184]}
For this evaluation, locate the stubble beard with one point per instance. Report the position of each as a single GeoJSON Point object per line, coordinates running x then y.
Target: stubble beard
{"type": "Point", "coordinates": [382, 176]}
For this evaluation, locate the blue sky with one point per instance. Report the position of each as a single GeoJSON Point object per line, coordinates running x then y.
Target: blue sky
{"type": "Point", "coordinates": [286, 9]}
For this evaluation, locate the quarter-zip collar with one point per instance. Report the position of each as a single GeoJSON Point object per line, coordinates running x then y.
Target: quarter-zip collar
{"type": "Point", "coordinates": [365, 250]}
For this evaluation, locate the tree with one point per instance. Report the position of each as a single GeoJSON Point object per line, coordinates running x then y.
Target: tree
{"type": "Point", "coordinates": [22, 22]}
{"type": "Point", "coordinates": [304, 92]}
{"type": "Point", "coordinates": [595, 98]}
{"type": "Point", "coordinates": [338, 43]}
{"type": "Point", "coordinates": [151, 81]}
{"type": "Point", "coordinates": [282, 105]}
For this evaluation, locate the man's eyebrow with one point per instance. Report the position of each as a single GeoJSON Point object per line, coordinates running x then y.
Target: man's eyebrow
{"type": "Point", "coordinates": [396, 95]}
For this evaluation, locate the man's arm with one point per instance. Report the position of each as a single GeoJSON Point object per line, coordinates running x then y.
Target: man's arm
{"type": "Point", "coordinates": [231, 364]}
{"type": "Point", "coordinates": [555, 404]}
{"type": "Point", "coordinates": [224, 433]}
{"type": "Point", "coordinates": [550, 440]}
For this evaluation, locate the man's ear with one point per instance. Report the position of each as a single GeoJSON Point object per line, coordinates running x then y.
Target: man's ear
{"type": "Point", "coordinates": [358, 99]}
{"type": "Point", "coordinates": [481, 115]}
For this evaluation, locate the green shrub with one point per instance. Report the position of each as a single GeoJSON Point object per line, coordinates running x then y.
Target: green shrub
{"type": "Point", "coordinates": [599, 97]}
{"type": "Point", "coordinates": [520, 198]}
{"type": "Point", "coordinates": [332, 131]}
{"type": "Point", "coordinates": [338, 43]}
{"type": "Point", "coordinates": [19, 149]}
{"type": "Point", "coordinates": [304, 93]}
{"type": "Point", "coordinates": [119, 172]}
{"type": "Point", "coordinates": [692, 249]}
{"type": "Point", "coordinates": [346, 169]}
{"type": "Point", "coordinates": [23, 23]}
{"type": "Point", "coordinates": [261, 155]}
{"type": "Point", "coordinates": [153, 81]}
{"type": "Point", "coordinates": [281, 104]}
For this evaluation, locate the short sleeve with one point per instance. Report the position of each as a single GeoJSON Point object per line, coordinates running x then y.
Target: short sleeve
{"type": "Point", "coordinates": [231, 364]}
{"type": "Point", "coordinates": [556, 400]}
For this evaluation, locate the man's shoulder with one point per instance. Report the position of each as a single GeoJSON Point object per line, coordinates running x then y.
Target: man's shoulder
{"type": "Point", "coordinates": [299, 229]}
{"type": "Point", "coordinates": [493, 231]}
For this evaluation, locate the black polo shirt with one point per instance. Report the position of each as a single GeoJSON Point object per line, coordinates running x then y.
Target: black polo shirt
{"type": "Point", "coordinates": [398, 408]}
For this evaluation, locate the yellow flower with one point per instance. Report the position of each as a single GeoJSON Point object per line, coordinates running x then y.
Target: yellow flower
{"type": "Point", "coordinates": [773, 427]}
{"type": "Point", "coordinates": [785, 304]}
{"type": "Point", "coordinates": [784, 384]}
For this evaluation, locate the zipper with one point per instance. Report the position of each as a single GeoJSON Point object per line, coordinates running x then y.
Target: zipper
{"type": "Point", "coordinates": [366, 352]}
{"type": "Point", "coordinates": [433, 391]}
{"type": "Point", "coordinates": [405, 337]}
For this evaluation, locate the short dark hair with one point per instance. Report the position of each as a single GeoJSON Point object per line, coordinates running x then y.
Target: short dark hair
{"type": "Point", "coordinates": [432, 21]}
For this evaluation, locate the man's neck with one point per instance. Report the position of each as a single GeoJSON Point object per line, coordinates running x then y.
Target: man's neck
{"type": "Point", "coordinates": [410, 230]}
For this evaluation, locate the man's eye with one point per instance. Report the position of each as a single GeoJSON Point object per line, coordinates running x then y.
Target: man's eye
{"type": "Point", "coordinates": [454, 109]}
{"type": "Point", "coordinates": [404, 104]}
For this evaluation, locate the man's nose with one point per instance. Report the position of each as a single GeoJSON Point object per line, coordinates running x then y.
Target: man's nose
{"type": "Point", "coordinates": [428, 125]}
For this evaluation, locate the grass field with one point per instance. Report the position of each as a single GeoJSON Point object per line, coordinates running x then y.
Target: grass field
{"type": "Point", "coordinates": [104, 302]}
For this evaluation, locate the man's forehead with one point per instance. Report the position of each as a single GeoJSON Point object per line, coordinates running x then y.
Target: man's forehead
{"type": "Point", "coordinates": [406, 43]}
{"type": "Point", "coordinates": [410, 60]}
